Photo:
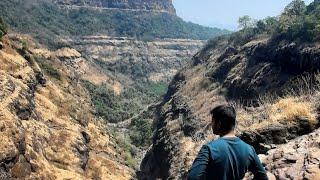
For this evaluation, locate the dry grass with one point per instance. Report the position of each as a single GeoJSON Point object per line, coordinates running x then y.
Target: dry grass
{"type": "Point", "coordinates": [287, 110]}
{"type": "Point", "coordinates": [304, 85]}
{"type": "Point", "coordinates": [300, 102]}
{"type": "Point", "coordinates": [244, 118]}
{"type": "Point", "coordinates": [290, 109]}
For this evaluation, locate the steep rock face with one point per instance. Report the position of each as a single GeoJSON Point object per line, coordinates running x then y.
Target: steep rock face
{"type": "Point", "coordinates": [159, 60]}
{"type": "Point", "coordinates": [251, 77]}
{"type": "Point", "coordinates": [152, 5]}
{"type": "Point", "coordinates": [47, 130]}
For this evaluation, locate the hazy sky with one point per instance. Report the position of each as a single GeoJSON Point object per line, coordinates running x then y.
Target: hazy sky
{"type": "Point", "coordinates": [225, 13]}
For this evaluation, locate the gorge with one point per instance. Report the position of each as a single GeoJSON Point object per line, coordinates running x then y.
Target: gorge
{"type": "Point", "coordinates": [122, 89]}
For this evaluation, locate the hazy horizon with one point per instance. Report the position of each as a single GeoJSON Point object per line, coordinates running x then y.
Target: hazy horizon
{"type": "Point", "coordinates": [224, 14]}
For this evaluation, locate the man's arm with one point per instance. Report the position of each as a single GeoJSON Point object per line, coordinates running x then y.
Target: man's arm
{"type": "Point", "coordinates": [199, 166]}
{"type": "Point", "coordinates": [257, 168]}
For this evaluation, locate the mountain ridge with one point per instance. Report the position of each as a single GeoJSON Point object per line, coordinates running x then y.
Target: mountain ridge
{"type": "Point", "coordinates": [149, 5]}
{"type": "Point", "coordinates": [46, 22]}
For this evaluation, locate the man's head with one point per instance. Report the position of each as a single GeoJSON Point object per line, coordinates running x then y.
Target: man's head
{"type": "Point", "coordinates": [223, 119]}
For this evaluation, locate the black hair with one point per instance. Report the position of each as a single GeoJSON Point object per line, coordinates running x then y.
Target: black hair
{"type": "Point", "coordinates": [225, 115]}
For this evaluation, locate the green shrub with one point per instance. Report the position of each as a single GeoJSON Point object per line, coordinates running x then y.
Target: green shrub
{"type": "Point", "coordinates": [114, 108]}
{"type": "Point", "coordinates": [141, 132]}
{"type": "Point", "coordinates": [46, 67]}
{"type": "Point", "coordinates": [130, 161]}
{"type": "Point", "coordinates": [125, 143]}
{"type": "Point", "coordinates": [3, 28]}
{"type": "Point", "coordinates": [25, 44]}
{"type": "Point", "coordinates": [106, 103]}
{"type": "Point", "coordinates": [243, 36]}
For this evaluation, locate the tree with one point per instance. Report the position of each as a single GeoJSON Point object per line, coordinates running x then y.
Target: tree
{"type": "Point", "coordinates": [271, 24]}
{"type": "Point", "coordinates": [141, 132]}
{"type": "Point", "coordinates": [245, 22]}
{"type": "Point", "coordinates": [261, 25]}
{"type": "Point", "coordinates": [293, 14]}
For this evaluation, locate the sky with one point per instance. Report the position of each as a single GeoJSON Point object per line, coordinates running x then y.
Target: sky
{"type": "Point", "coordinates": [225, 13]}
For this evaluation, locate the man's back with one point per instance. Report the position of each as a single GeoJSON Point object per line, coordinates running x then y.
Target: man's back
{"type": "Point", "coordinates": [227, 158]}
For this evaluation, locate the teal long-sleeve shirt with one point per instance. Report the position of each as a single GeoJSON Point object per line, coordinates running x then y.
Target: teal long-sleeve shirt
{"type": "Point", "coordinates": [226, 159]}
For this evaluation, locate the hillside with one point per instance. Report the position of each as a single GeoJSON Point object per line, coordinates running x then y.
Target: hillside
{"type": "Point", "coordinates": [47, 22]}
{"type": "Point", "coordinates": [270, 74]}
{"type": "Point", "coordinates": [274, 105]}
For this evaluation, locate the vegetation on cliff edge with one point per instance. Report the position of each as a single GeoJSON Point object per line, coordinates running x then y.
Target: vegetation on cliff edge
{"type": "Point", "coordinates": [297, 22]}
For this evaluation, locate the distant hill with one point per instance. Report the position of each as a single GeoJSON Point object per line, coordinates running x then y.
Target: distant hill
{"type": "Point", "coordinates": [45, 21]}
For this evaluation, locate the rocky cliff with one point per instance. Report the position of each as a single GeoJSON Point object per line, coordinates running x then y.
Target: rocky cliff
{"type": "Point", "coordinates": [143, 5]}
{"type": "Point", "coordinates": [274, 87]}
{"type": "Point", "coordinates": [158, 59]}
{"type": "Point", "coordinates": [47, 127]}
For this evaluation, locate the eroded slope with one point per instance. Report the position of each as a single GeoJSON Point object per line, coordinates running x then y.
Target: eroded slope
{"type": "Point", "coordinates": [47, 127]}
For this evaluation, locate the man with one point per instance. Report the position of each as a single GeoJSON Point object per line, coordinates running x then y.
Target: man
{"type": "Point", "coordinates": [227, 158]}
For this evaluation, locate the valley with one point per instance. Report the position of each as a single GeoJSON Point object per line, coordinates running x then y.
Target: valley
{"type": "Point", "coordinates": [112, 89]}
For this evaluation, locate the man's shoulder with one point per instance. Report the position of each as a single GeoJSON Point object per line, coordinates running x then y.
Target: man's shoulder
{"type": "Point", "coordinates": [215, 143]}
{"type": "Point", "coordinates": [221, 142]}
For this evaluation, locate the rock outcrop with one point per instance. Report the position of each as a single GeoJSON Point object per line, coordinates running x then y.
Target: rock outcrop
{"type": "Point", "coordinates": [298, 159]}
{"type": "Point", "coordinates": [149, 5]}
{"type": "Point", "coordinates": [273, 86]}
{"type": "Point", "coordinates": [47, 129]}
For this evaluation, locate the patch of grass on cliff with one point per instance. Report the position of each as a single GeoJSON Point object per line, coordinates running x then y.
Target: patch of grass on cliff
{"type": "Point", "coordinates": [125, 144]}
{"type": "Point", "coordinates": [48, 68]}
{"type": "Point", "coordinates": [108, 105]}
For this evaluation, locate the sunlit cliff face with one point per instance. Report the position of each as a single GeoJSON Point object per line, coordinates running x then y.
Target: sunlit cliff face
{"type": "Point", "coordinates": [152, 5]}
